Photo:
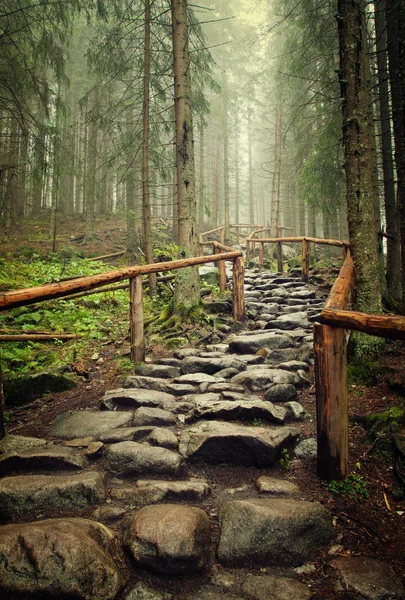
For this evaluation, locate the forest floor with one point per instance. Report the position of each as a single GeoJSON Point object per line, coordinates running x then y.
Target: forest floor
{"type": "Point", "coordinates": [369, 511]}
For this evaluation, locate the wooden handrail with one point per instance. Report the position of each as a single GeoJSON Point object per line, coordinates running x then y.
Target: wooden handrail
{"type": "Point", "coordinates": [27, 296]}
{"type": "Point", "coordinates": [285, 240]}
{"type": "Point", "coordinates": [387, 326]}
{"type": "Point", "coordinates": [342, 290]}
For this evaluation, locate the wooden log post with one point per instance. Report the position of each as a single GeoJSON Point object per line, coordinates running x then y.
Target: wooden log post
{"type": "Point", "coordinates": [280, 257]}
{"type": "Point", "coordinates": [305, 259]}
{"type": "Point", "coordinates": [247, 250]}
{"type": "Point", "coordinates": [331, 402]}
{"type": "Point", "coordinates": [222, 236]}
{"type": "Point", "coordinates": [137, 339]}
{"type": "Point", "coordinates": [238, 291]}
{"type": "Point", "coordinates": [2, 407]}
{"type": "Point", "coordinates": [221, 272]}
{"type": "Point", "coordinates": [261, 255]}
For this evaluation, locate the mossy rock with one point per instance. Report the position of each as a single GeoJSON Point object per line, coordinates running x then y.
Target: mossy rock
{"type": "Point", "coordinates": [22, 389]}
{"type": "Point", "coordinates": [209, 275]}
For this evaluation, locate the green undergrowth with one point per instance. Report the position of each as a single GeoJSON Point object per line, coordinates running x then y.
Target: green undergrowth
{"type": "Point", "coordinates": [96, 318]}
{"type": "Point", "coordinates": [354, 487]}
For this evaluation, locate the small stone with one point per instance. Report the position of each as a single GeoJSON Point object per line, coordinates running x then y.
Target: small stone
{"type": "Point", "coordinates": [276, 487]}
{"type": "Point", "coordinates": [274, 587]}
{"type": "Point", "coordinates": [80, 442]}
{"type": "Point", "coordinates": [307, 448]}
{"type": "Point", "coordinates": [94, 449]}
{"type": "Point", "coordinates": [306, 569]}
{"type": "Point", "coordinates": [164, 438]}
{"type": "Point", "coordinates": [296, 411]}
{"type": "Point", "coordinates": [108, 513]}
{"type": "Point", "coordinates": [366, 578]}
{"type": "Point", "coordinates": [142, 591]}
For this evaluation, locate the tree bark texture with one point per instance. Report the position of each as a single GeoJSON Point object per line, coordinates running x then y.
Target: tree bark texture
{"type": "Point", "coordinates": [275, 202]}
{"type": "Point", "coordinates": [355, 92]}
{"type": "Point", "coordinates": [187, 291]}
{"type": "Point", "coordinates": [395, 20]}
{"type": "Point", "coordinates": [146, 209]}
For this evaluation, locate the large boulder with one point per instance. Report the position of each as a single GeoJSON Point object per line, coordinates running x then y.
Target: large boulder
{"type": "Point", "coordinates": [169, 538]}
{"type": "Point", "coordinates": [220, 442]}
{"type": "Point", "coordinates": [60, 558]}
{"type": "Point", "coordinates": [131, 458]}
{"type": "Point", "coordinates": [267, 531]}
{"type": "Point", "coordinates": [88, 423]}
{"type": "Point", "coordinates": [25, 493]}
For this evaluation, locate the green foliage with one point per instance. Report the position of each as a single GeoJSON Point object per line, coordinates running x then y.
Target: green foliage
{"type": "Point", "coordinates": [366, 373]}
{"type": "Point", "coordinates": [353, 487]}
{"type": "Point", "coordinates": [257, 423]}
{"type": "Point", "coordinates": [285, 460]}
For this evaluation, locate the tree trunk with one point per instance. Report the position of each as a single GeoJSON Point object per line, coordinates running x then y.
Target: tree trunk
{"type": "Point", "coordinates": [237, 192]}
{"type": "Point", "coordinates": [250, 149]}
{"type": "Point", "coordinates": [395, 18]}
{"type": "Point", "coordinates": [146, 209]}
{"type": "Point", "coordinates": [275, 201]}
{"type": "Point", "coordinates": [187, 291]}
{"type": "Point", "coordinates": [226, 164]}
{"type": "Point", "coordinates": [355, 92]}
{"type": "Point", "coordinates": [202, 180]}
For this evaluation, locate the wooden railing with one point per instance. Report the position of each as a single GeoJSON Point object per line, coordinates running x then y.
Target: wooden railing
{"type": "Point", "coordinates": [24, 297]}
{"type": "Point", "coordinates": [330, 349]}
{"type": "Point", "coordinates": [220, 231]}
{"type": "Point", "coordinates": [251, 242]}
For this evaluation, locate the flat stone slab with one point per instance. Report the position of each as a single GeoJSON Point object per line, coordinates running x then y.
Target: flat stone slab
{"type": "Point", "coordinates": [275, 587]}
{"type": "Point", "coordinates": [367, 578]}
{"type": "Point", "coordinates": [152, 491]}
{"type": "Point", "coordinates": [59, 557]}
{"type": "Point", "coordinates": [126, 458]}
{"type": "Point", "coordinates": [220, 442]}
{"type": "Point", "coordinates": [142, 591]}
{"type": "Point", "coordinates": [15, 443]}
{"type": "Point", "coordinates": [41, 457]}
{"type": "Point", "coordinates": [134, 398]}
{"type": "Point", "coordinates": [160, 371]}
{"type": "Point", "coordinates": [125, 434]}
{"type": "Point", "coordinates": [276, 487]}
{"type": "Point", "coordinates": [196, 378]}
{"type": "Point", "coordinates": [180, 389]}
{"type": "Point", "coordinates": [153, 416]}
{"type": "Point", "coordinates": [25, 493]}
{"type": "Point", "coordinates": [146, 383]}
{"type": "Point", "coordinates": [249, 344]}
{"type": "Point", "coordinates": [228, 410]}
{"type": "Point", "coordinates": [267, 531]}
{"type": "Point", "coordinates": [259, 378]}
{"type": "Point", "coordinates": [170, 539]}
{"type": "Point", "coordinates": [88, 423]}
{"type": "Point", "coordinates": [196, 364]}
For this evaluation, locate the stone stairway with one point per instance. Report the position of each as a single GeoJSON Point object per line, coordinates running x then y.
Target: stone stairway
{"type": "Point", "coordinates": [136, 501]}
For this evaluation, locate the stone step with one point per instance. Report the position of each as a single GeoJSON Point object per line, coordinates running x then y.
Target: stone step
{"type": "Point", "coordinates": [41, 458]}
{"type": "Point", "coordinates": [132, 458]}
{"type": "Point", "coordinates": [151, 491]}
{"type": "Point", "coordinates": [23, 494]}
{"type": "Point", "coordinates": [88, 423]}
{"type": "Point", "coordinates": [221, 442]}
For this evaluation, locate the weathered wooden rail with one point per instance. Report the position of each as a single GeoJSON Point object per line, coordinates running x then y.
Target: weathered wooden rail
{"type": "Point", "coordinates": [24, 297]}
{"type": "Point", "coordinates": [252, 240]}
{"type": "Point", "coordinates": [330, 349]}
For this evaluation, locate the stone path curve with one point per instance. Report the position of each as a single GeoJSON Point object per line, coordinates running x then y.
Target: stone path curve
{"type": "Point", "coordinates": [127, 483]}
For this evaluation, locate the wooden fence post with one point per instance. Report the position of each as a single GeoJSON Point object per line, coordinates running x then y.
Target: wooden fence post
{"type": "Point", "coordinates": [305, 259]}
{"type": "Point", "coordinates": [222, 235]}
{"type": "Point", "coordinates": [261, 254]}
{"type": "Point", "coordinates": [238, 289]}
{"type": "Point", "coordinates": [331, 401]}
{"type": "Point", "coordinates": [2, 407]}
{"type": "Point", "coordinates": [247, 250]}
{"type": "Point", "coordinates": [279, 257]}
{"type": "Point", "coordinates": [137, 339]}
{"type": "Point", "coordinates": [221, 272]}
